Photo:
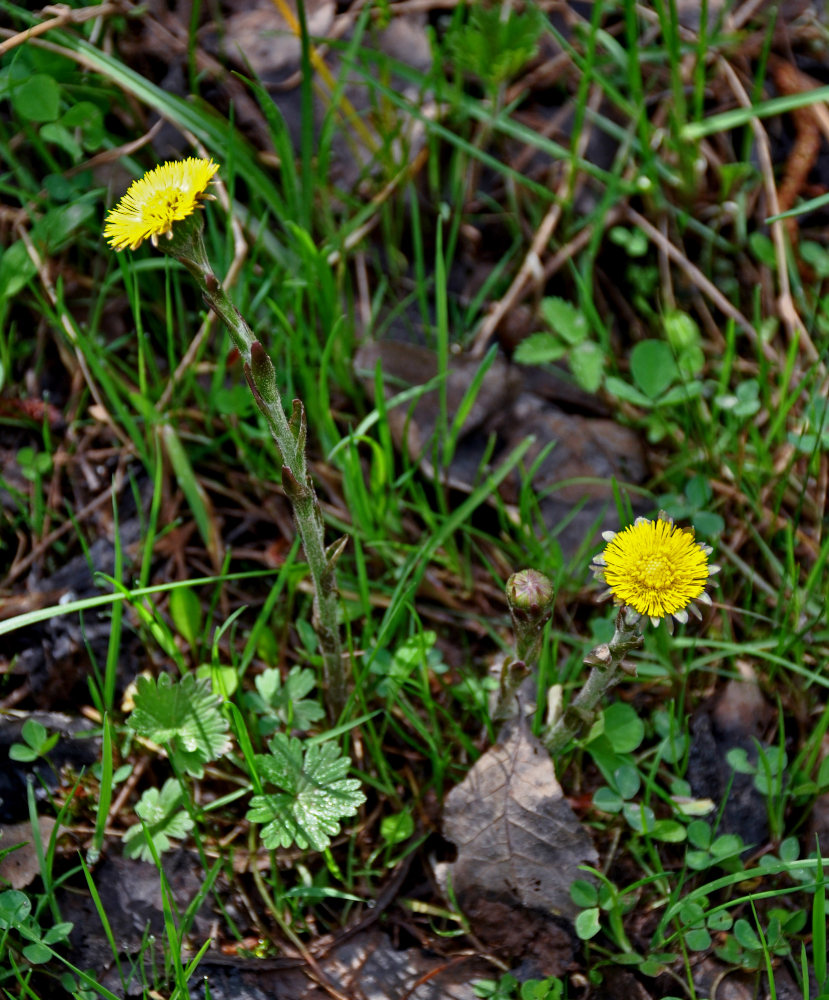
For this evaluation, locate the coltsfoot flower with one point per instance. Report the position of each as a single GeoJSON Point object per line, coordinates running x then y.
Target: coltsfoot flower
{"type": "Point", "coordinates": [656, 569]}
{"type": "Point", "coordinates": [169, 193]}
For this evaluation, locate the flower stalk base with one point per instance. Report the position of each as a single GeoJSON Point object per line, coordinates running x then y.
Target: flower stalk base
{"type": "Point", "coordinates": [607, 663]}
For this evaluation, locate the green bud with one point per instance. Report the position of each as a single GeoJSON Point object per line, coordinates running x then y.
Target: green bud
{"type": "Point", "coordinates": [531, 599]}
{"type": "Point", "coordinates": [530, 594]}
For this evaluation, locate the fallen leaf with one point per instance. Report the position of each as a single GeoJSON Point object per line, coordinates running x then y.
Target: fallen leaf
{"type": "Point", "coordinates": [21, 866]}
{"type": "Point", "coordinates": [515, 833]}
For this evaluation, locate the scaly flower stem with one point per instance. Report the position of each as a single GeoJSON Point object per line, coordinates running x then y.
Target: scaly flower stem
{"type": "Point", "coordinates": [606, 661]}
{"type": "Point", "coordinates": [290, 440]}
{"type": "Point", "coordinates": [530, 596]}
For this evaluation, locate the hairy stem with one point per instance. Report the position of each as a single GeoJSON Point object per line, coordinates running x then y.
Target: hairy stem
{"type": "Point", "coordinates": [290, 440]}
{"type": "Point", "coordinates": [606, 662]}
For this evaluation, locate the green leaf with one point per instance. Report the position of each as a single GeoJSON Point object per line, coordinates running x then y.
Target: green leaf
{"type": "Point", "coordinates": [16, 268]}
{"type": "Point", "coordinates": [720, 921]}
{"type": "Point", "coordinates": [681, 394]}
{"type": "Point", "coordinates": [816, 257]}
{"type": "Point", "coordinates": [186, 612]}
{"type": "Point", "coordinates": [691, 914]}
{"type": "Point", "coordinates": [623, 727]}
{"type": "Point", "coordinates": [539, 349]}
{"type": "Point", "coordinates": [640, 817]}
{"type": "Point", "coordinates": [587, 923]}
{"type": "Point", "coordinates": [628, 393]}
{"type": "Point", "coordinates": [698, 860]}
{"type": "Point", "coordinates": [583, 893]}
{"type": "Point", "coordinates": [727, 846]}
{"type": "Point", "coordinates": [634, 241]}
{"type": "Point", "coordinates": [87, 117]}
{"type": "Point", "coordinates": [789, 849]}
{"type": "Point", "coordinates": [223, 680]}
{"type": "Point", "coordinates": [627, 780]}
{"type": "Point", "coordinates": [737, 758]}
{"type": "Point", "coordinates": [314, 794]}
{"type": "Point", "coordinates": [22, 754]}
{"type": "Point", "coordinates": [691, 362]}
{"type": "Point", "coordinates": [57, 135]}
{"type": "Point", "coordinates": [587, 364]}
{"type": "Point", "coordinates": [283, 703]}
{"type": "Point", "coordinates": [54, 229]}
{"type": "Point", "coordinates": [37, 99]}
{"type": "Point", "coordinates": [37, 953]}
{"type": "Point", "coordinates": [708, 524]}
{"type": "Point", "coordinates": [698, 939]}
{"type": "Point", "coordinates": [565, 320]}
{"type": "Point", "coordinates": [653, 367]}
{"type": "Point", "coordinates": [493, 47]}
{"type": "Point", "coordinates": [542, 989]}
{"type": "Point", "coordinates": [673, 747]}
{"type": "Point", "coordinates": [58, 932]}
{"type": "Point", "coordinates": [164, 819]}
{"type": "Point", "coordinates": [669, 831]}
{"type": "Point", "coordinates": [746, 935]}
{"type": "Point", "coordinates": [185, 715]}
{"type": "Point", "coordinates": [607, 800]}
{"type": "Point", "coordinates": [681, 330]}
{"type": "Point", "coordinates": [15, 907]}
{"type": "Point", "coordinates": [823, 774]}
{"type": "Point", "coordinates": [396, 828]}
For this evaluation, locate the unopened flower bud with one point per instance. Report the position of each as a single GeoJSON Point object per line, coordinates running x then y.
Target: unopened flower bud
{"type": "Point", "coordinates": [530, 592]}
{"type": "Point", "coordinates": [530, 595]}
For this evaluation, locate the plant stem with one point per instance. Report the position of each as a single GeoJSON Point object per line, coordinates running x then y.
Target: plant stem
{"type": "Point", "coordinates": [531, 597]}
{"type": "Point", "coordinates": [299, 488]}
{"type": "Point", "coordinates": [606, 661]}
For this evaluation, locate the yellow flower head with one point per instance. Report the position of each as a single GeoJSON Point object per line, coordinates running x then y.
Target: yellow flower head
{"type": "Point", "coordinates": [167, 194]}
{"type": "Point", "coordinates": [656, 568]}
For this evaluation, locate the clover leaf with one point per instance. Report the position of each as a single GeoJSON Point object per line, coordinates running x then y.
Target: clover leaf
{"type": "Point", "coordinates": [314, 793]}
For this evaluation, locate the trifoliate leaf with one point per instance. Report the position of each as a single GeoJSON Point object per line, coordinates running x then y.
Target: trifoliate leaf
{"type": "Point", "coordinates": [283, 703]}
{"type": "Point", "coordinates": [164, 817]}
{"type": "Point", "coordinates": [314, 793]}
{"type": "Point", "coordinates": [184, 715]}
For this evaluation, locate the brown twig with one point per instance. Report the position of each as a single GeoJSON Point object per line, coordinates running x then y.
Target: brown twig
{"type": "Point", "coordinates": [61, 16]}
{"type": "Point", "coordinates": [785, 303]}
{"type": "Point", "coordinates": [697, 278]}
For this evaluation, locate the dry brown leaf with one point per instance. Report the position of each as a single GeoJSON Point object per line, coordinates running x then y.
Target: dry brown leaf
{"type": "Point", "coordinates": [21, 867]}
{"type": "Point", "coordinates": [515, 833]}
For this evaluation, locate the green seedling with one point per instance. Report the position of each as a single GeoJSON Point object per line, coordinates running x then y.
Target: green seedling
{"type": "Point", "coordinates": [570, 338]}
{"type": "Point", "coordinates": [37, 742]}
{"type": "Point", "coordinates": [748, 948]}
{"type": "Point", "coordinates": [415, 654]}
{"type": "Point", "coordinates": [21, 936]}
{"type": "Point", "coordinates": [602, 907]}
{"type": "Point", "coordinates": [494, 47]}
{"type": "Point", "coordinates": [283, 703]}
{"type": "Point", "coordinates": [34, 464]}
{"type": "Point", "coordinates": [163, 819]}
